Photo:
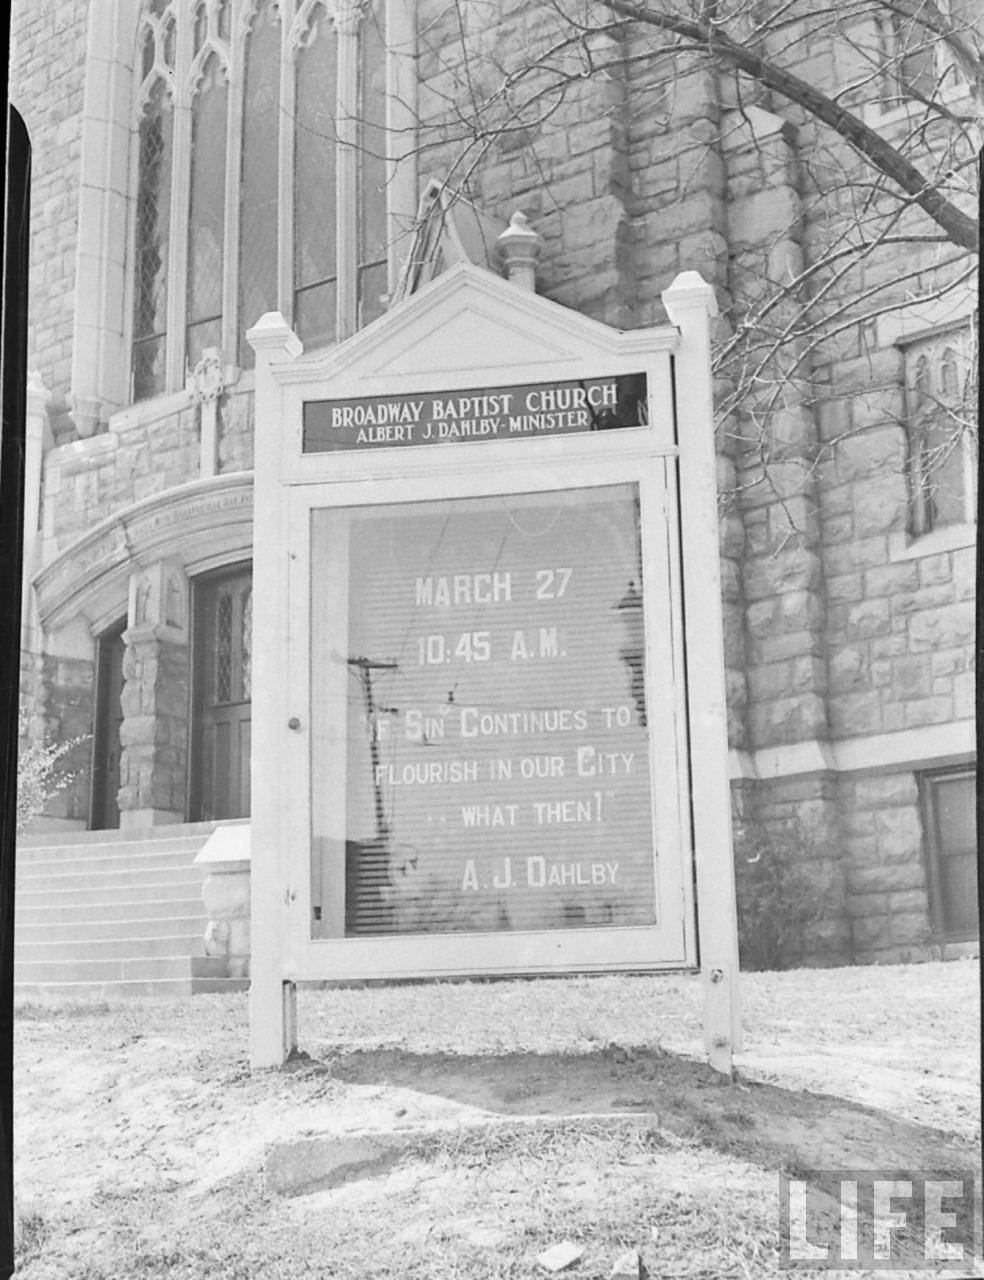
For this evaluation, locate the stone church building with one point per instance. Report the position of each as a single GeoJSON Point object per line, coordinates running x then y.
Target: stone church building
{"type": "Point", "coordinates": [198, 163]}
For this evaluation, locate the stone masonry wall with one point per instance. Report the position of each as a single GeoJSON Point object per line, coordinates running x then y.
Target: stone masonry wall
{"type": "Point", "coordinates": [154, 734]}
{"type": "Point", "coordinates": [888, 899]}
{"type": "Point", "coordinates": [566, 168]}
{"type": "Point", "coordinates": [141, 455]}
{"type": "Point", "coordinates": [801, 821]}
{"type": "Point", "coordinates": [47, 68]}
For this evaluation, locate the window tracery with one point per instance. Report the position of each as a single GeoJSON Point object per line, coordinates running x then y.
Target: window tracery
{"type": "Point", "coordinates": [940, 402]}
{"type": "Point", "coordinates": [244, 202]}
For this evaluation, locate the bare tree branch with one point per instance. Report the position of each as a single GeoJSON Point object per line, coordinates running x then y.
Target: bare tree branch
{"type": "Point", "coordinates": [961, 229]}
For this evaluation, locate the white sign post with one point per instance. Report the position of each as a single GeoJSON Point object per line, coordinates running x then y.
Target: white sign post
{"type": "Point", "coordinates": [489, 732]}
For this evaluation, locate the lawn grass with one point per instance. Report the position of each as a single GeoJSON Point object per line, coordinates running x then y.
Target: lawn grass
{"type": "Point", "coordinates": [142, 1136]}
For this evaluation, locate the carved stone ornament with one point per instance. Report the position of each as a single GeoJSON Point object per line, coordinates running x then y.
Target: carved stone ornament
{"type": "Point", "coordinates": [206, 381]}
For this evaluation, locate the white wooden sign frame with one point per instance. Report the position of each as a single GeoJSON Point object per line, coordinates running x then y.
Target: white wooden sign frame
{"type": "Point", "coordinates": [470, 329]}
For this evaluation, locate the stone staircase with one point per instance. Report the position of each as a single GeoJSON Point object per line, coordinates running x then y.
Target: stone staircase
{"type": "Point", "coordinates": [102, 913]}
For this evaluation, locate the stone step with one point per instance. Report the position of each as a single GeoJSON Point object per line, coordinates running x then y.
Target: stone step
{"type": "Point", "coordinates": [124, 947]}
{"type": "Point", "coordinates": [90, 896]}
{"type": "Point", "coordinates": [118, 876]}
{"type": "Point", "coordinates": [45, 929]}
{"type": "Point", "coordinates": [98, 860]}
{"type": "Point", "coordinates": [175, 832]}
{"type": "Point", "coordinates": [133, 969]}
{"type": "Point", "coordinates": [40, 908]}
{"type": "Point", "coordinates": [113, 913]}
{"type": "Point", "coordinates": [25, 992]}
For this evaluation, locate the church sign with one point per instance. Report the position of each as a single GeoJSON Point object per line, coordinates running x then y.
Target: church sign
{"type": "Point", "coordinates": [484, 413]}
{"type": "Point", "coordinates": [484, 678]}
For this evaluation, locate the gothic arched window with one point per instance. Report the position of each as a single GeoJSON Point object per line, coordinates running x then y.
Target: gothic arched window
{"type": "Point", "coordinates": [940, 396]}
{"type": "Point", "coordinates": [262, 177]}
{"type": "Point", "coordinates": [258, 205]}
{"type": "Point", "coordinates": [150, 293]}
{"type": "Point", "coordinates": [206, 211]}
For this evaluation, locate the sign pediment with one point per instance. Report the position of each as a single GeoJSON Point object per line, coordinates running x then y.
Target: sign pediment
{"type": "Point", "coordinates": [473, 323]}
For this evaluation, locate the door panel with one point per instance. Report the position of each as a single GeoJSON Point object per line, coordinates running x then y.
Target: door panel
{"type": "Point", "coordinates": [223, 685]}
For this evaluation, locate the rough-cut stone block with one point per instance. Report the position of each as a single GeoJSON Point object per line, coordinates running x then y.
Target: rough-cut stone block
{"type": "Point", "coordinates": [801, 611]}
{"type": "Point", "coordinates": [882, 507]}
{"type": "Point", "coordinates": [935, 569]}
{"type": "Point", "coordinates": [880, 674]}
{"type": "Point", "coordinates": [855, 713]}
{"type": "Point", "coordinates": [763, 617]}
{"type": "Point", "coordinates": [911, 927]}
{"type": "Point", "coordinates": [943, 628]}
{"type": "Point", "coordinates": [932, 597]}
{"type": "Point", "coordinates": [847, 587]}
{"type": "Point", "coordinates": [912, 902]}
{"type": "Point", "coordinates": [911, 678]}
{"type": "Point", "coordinates": [848, 668]}
{"type": "Point", "coordinates": [868, 618]}
{"type": "Point", "coordinates": [890, 579]}
{"type": "Point", "coordinates": [884, 405]}
{"type": "Point", "coordinates": [864, 900]}
{"type": "Point", "coordinates": [965, 573]}
{"type": "Point", "coordinates": [963, 695]}
{"type": "Point", "coordinates": [859, 553]}
{"type": "Point", "coordinates": [794, 570]}
{"type": "Point", "coordinates": [895, 878]}
{"type": "Point", "coordinates": [871, 932]}
{"type": "Point", "coordinates": [777, 648]}
{"type": "Point", "coordinates": [769, 681]}
{"type": "Point", "coordinates": [899, 833]}
{"type": "Point", "coordinates": [888, 646]}
{"type": "Point", "coordinates": [793, 719]}
{"type": "Point", "coordinates": [923, 711]}
{"type": "Point", "coordinates": [870, 453]}
{"type": "Point", "coordinates": [808, 674]}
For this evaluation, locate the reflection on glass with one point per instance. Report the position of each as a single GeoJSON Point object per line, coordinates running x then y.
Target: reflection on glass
{"type": "Point", "coordinates": [480, 754]}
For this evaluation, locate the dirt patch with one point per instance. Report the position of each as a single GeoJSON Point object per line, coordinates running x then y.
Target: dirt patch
{"type": "Point", "coordinates": [764, 1123]}
{"type": "Point", "coordinates": [144, 1143]}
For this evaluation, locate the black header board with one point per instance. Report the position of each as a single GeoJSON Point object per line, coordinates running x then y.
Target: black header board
{"type": "Point", "coordinates": [515, 412]}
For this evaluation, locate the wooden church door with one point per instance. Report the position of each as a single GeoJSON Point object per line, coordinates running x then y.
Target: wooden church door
{"type": "Point", "coordinates": [222, 692]}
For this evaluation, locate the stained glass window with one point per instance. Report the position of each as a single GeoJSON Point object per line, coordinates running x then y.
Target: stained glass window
{"type": "Point", "coordinates": [941, 392]}
{"type": "Point", "coordinates": [372, 270]}
{"type": "Point", "coordinates": [200, 27]}
{"type": "Point", "coordinates": [247, 644]}
{"type": "Point", "coordinates": [315, 142]}
{"type": "Point", "coordinates": [207, 212]}
{"type": "Point", "coordinates": [258, 199]}
{"type": "Point", "coordinates": [223, 650]}
{"type": "Point", "coordinates": [207, 53]}
{"type": "Point", "coordinates": [151, 250]}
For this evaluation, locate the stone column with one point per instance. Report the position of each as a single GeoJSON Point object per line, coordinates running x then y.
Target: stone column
{"type": "Point", "coordinates": [782, 585]}
{"type": "Point", "coordinates": [155, 699]}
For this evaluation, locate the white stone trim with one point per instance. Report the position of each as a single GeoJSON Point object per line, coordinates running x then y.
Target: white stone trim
{"type": "Point", "coordinates": [203, 524]}
{"type": "Point", "coordinates": [931, 745]}
{"type": "Point", "coordinates": [103, 328]}
{"type": "Point", "coordinates": [923, 316]}
{"type": "Point", "coordinates": [401, 117]}
{"type": "Point", "coordinates": [951, 537]}
{"type": "Point", "coordinates": [99, 361]}
{"type": "Point", "coordinates": [954, 95]}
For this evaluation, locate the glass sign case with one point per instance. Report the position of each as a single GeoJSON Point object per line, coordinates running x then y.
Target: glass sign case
{"type": "Point", "coordinates": [480, 752]}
